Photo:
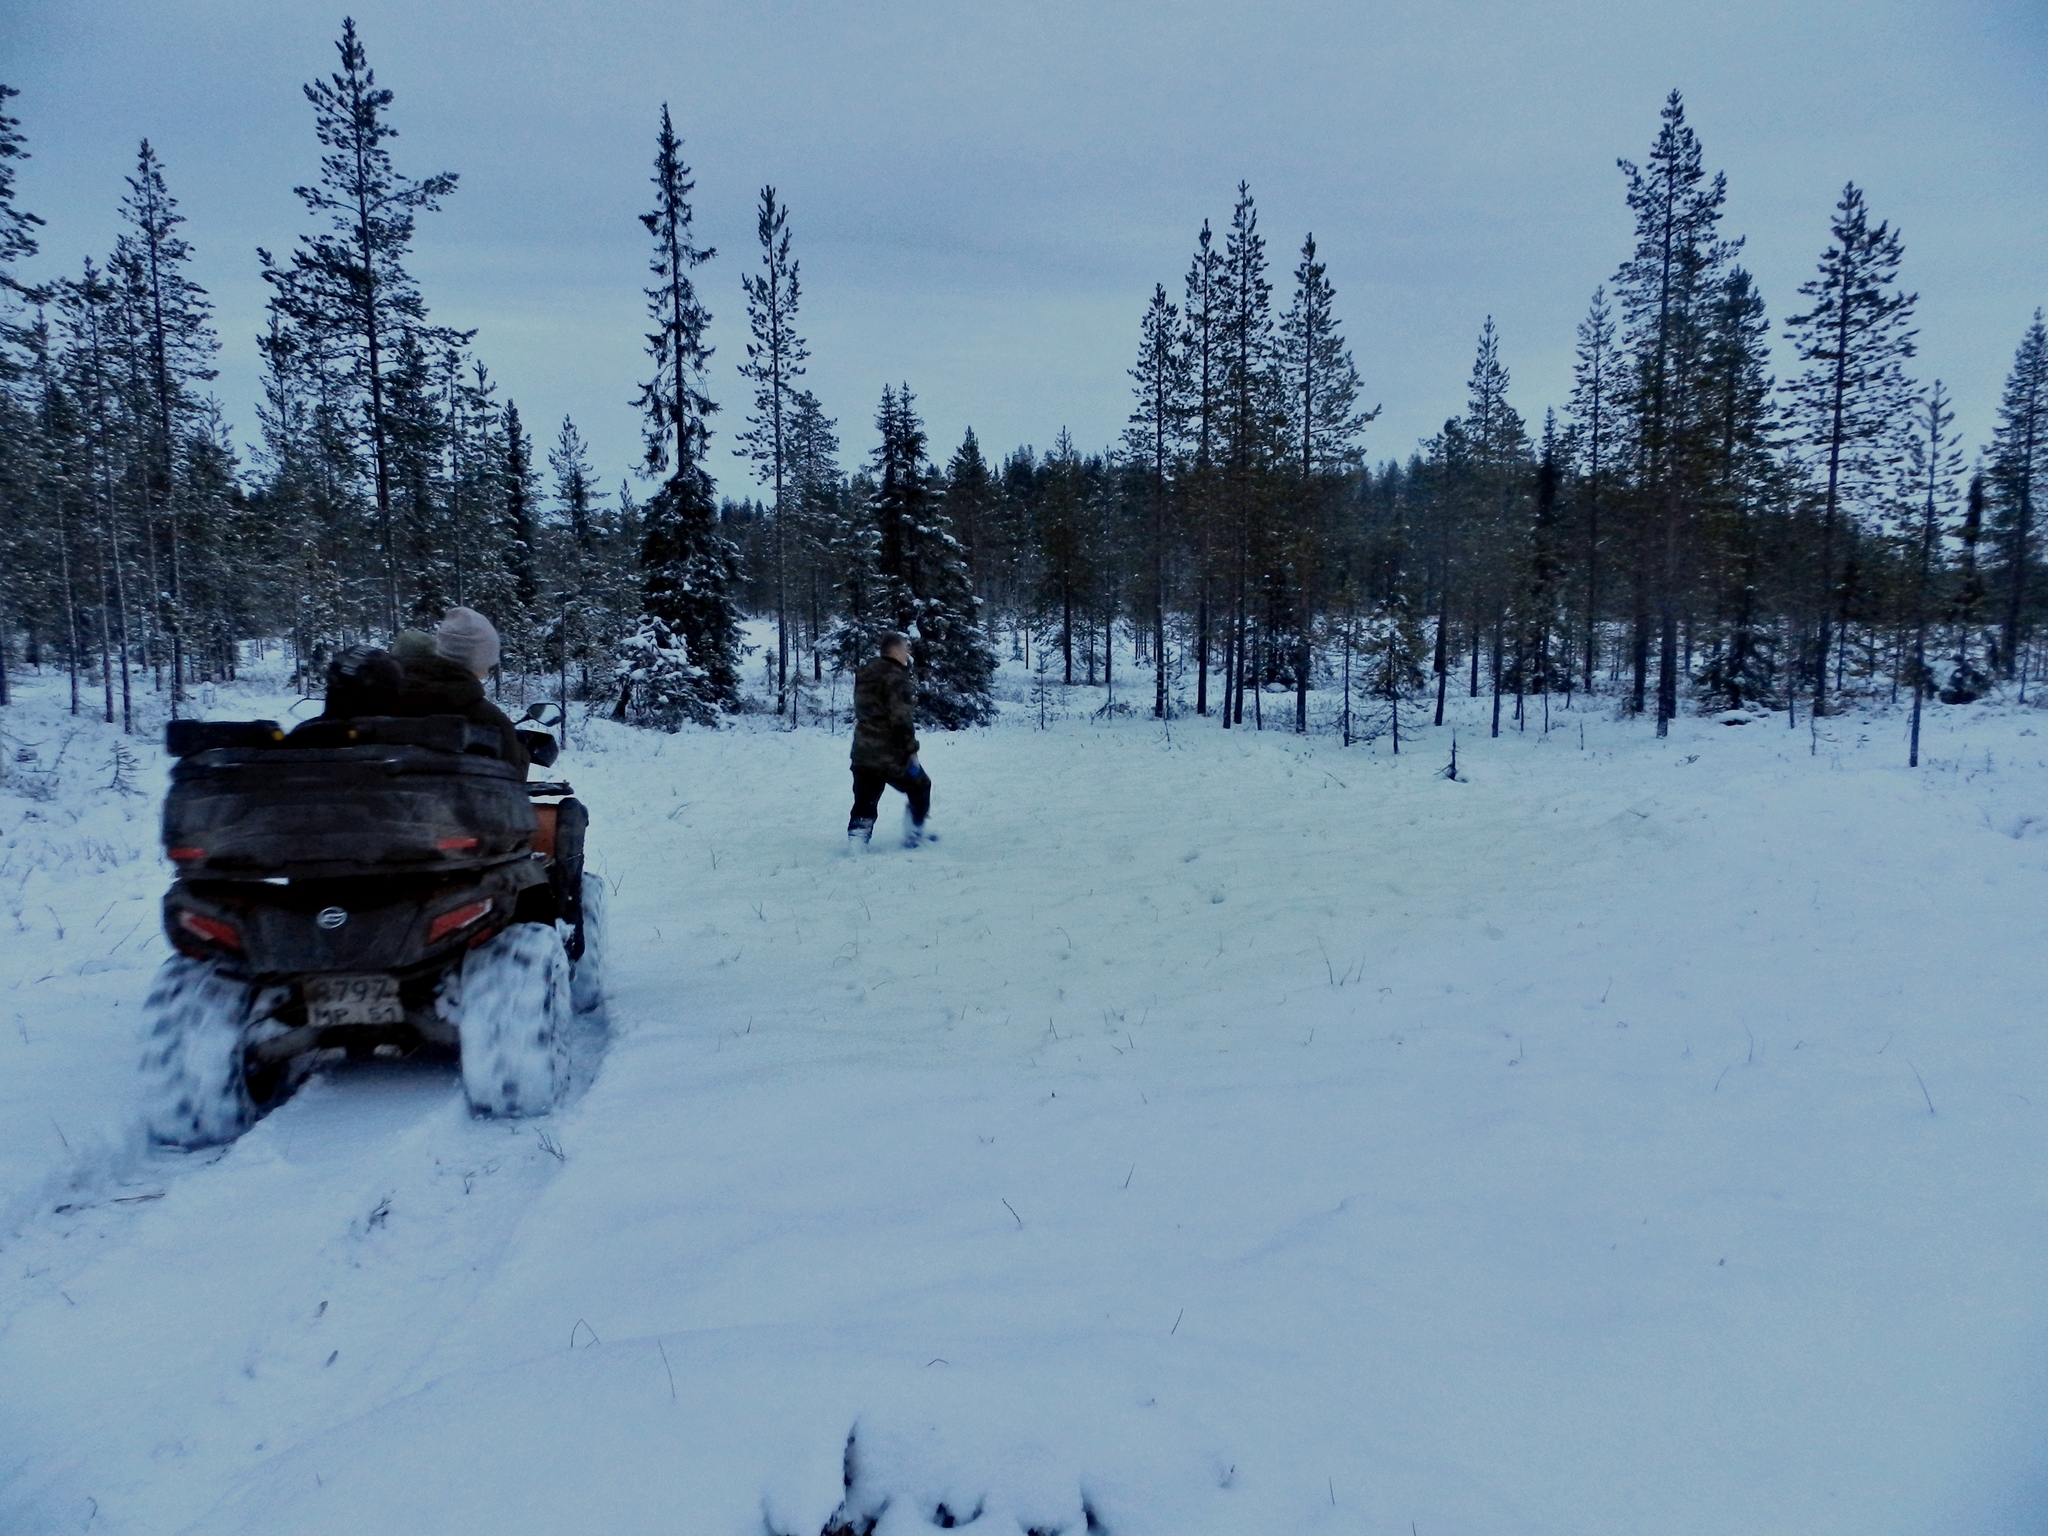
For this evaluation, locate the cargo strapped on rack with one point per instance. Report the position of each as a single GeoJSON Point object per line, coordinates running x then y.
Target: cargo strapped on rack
{"type": "Point", "coordinates": [440, 733]}
{"type": "Point", "coordinates": [305, 812]}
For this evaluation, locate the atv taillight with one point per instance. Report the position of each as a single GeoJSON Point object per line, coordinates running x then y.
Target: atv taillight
{"type": "Point", "coordinates": [185, 855]}
{"type": "Point", "coordinates": [456, 844]}
{"type": "Point", "coordinates": [456, 921]}
{"type": "Point", "coordinates": [211, 929]}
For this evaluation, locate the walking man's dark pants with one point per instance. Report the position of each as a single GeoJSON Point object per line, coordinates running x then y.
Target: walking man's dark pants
{"type": "Point", "coordinates": [916, 786]}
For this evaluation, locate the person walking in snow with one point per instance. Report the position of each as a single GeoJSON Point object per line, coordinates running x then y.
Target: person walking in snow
{"type": "Point", "coordinates": [885, 744]}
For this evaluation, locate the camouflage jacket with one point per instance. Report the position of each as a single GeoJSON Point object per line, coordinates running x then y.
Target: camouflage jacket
{"type": "Point", "coordinates": [885, 717]}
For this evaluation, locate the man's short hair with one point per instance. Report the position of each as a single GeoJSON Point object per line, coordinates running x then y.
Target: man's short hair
{"type": "Point", "coordinates": [893, 639]}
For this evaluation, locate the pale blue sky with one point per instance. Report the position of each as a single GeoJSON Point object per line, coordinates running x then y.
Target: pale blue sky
{"type": "Point", "coordinates": [982, 197]}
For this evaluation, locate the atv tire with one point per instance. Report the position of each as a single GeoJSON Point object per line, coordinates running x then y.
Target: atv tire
{"type": "Point", "coordinates": [194, 1082]}
{"type": "Point", "coordinates": [586, 978]}
{"type": "Point", "coordinates": [511, 1005]}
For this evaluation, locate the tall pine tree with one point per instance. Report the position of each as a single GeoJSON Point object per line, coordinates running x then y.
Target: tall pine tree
{"type": "Point", "coordinates": [1664, 288]}
{"type": "Point", "coordinates": [346, 286]}
{"type": "Point", "coordinates": [1153, 440]}
{"type": "Point", "coordinates": [1320, 390]}
{"type": "Point", "coordinates": [1593, 439]}
{"type": "Point", "coordinates": [688, 568]}
{"type": "Point", "coordinates": [775, 361]}
{"type": "Point", "coordinates": [2018, 478]}
{"type": "Point", "coordinates": [1934, 463]}
{"type": "Point", "coordinates": [1851, 397]}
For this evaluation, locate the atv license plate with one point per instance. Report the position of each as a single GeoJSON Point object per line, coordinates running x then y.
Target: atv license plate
{"type": "Point", "coordinates": [353, 1000]}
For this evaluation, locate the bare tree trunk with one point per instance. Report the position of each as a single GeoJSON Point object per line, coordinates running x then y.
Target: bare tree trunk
{"type": "Point", "coordinates": [1496, 673]}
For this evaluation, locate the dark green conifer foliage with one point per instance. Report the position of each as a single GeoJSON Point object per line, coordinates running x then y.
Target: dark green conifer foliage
{"type": "Point", "coordinates": [2018, 479]}
{"type": "Point", "coordinates": [1202, 346]}
{"type": "Point", "coordinates": [520, 538]}
{"type": "Point", "coordinates": [819, 515]}
{"type": "Point", "coordinates": [1850, 400]}
{"type": "Point", "coordinates": [689, 569]}
{"type": "Point", "coordinates": [775, 360]}
{"type": "Point", "coordinates": [17, 227]}
{"type": "Point", "coordinates": [1967, 681]}
{"type": "Point", "coordinates": [583, 606]}
{"type": "Point", "coordinates": [17, 243]}
{"type": "Point", "coordinates": [919, 584]}
{"type": "Point", "coordinates": [1593, 437]}
{"type": "Point", "coordinates": [170, 316]}
{"type": "Point", "coordinates": [346, 287]}
{"type": "Point", "coordinates": [1154, 440]}
{"type": "Point", "coordinates": [575, 490]}
{"type": "Point", "coordinates": [1060, 528]}
{"type": "Point", "coordinates": [1934, 462]}
{"type": "Point", "coordinates": [1319, 390]}
{"type": "Point", "coordinates": [1250, 422]}
{"type": "Point", "coordinates": [970, 501]}
{"type": "Point", "coordinates": [1664, 288]}
{"type": "Point", "coordinates": [1743, 480]}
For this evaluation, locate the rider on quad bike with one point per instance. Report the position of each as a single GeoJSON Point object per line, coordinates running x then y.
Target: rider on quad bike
{"type": "Point", "coordinates": [380, 880]}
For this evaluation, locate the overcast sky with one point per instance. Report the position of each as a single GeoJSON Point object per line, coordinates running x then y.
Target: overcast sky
{"type": "Point", "coordinates": [983, 196]}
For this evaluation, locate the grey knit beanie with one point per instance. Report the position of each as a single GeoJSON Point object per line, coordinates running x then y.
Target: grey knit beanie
{"type": "Point", "coordinates": [466, 636]}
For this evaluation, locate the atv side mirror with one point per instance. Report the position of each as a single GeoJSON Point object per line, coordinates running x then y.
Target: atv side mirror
{"type": "Point", "coordinates": [541, 748]}
{"type": "Point", "coordinates": [547, 716]}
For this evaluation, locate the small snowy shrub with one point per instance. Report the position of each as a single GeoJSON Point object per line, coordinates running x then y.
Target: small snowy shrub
{"type": "Point", "coordinates": [659, 686]}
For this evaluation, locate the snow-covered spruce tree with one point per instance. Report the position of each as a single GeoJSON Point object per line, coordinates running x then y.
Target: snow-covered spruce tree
{"type": "Point", "coordinates": [2018, 479]}
{"type": "Point", "coordinates": [659, 686]}
{"type": "Point", "coordinates": [1850, 403]}
{"type": "Point", "coordinates": [519, 603]}
{"type": "Point", "coordinates": [689, 571]}
{"type": "Point", "coordinates": [1391, 649]}
{"type": "Point", "coordinates": [970, 499]}
{"type": "Point", "coordinates": [852, 544]}
{"type": "Point", "coordinates": [917, 583]}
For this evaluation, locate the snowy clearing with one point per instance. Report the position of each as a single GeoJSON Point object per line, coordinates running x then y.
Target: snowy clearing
{"type": "Point", "coordinates": [1211, 1133]}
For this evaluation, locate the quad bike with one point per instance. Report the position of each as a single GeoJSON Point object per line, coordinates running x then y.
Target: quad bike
{"type": "Point", "coordinates": [377, 886]}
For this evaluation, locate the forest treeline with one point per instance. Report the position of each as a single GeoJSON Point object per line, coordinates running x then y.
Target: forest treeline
{"type": "Point", "coordinates": [1686, 531]}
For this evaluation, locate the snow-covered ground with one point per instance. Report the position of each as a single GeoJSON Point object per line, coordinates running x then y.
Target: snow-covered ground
{"type": "Point", "coordinates": [1211, 1133]}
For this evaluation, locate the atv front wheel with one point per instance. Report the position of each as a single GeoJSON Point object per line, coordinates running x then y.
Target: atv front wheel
{"type": "Point", "coordinates": [587, 977]}
{"type": "Point", "coordinates": [511, 1005]}
{"type": "Point", "coordinates": [196, 1093]}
